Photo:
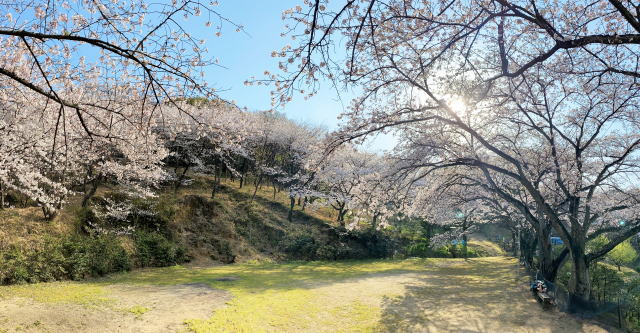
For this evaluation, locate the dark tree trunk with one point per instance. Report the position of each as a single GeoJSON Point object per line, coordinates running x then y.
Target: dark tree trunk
{"type": "Point", "coordinates": [465, 227]}
{"type": "Point", "coordinates": [216, 182]}
{"type": "Point", "coordinates": [292, 203]}
{"type": "Point", "coordinates": [374, 221]}
{"type": "Point", "coordinates": [243, 172]}
{"type": "Point", "coordinates": [341, 213]}
{"type": "Point", "coordinates": [579, 284]}
{"type": "Point", "coordinates": [528, 244]}
{"type": "Point", "coordinates": [1, 196]}
{"type": "Point", "coordinates": [88, 194]}
{"type": "Point", "coordinates": [49, 213]}
{"type": "Point", "coordinates": [545, 259]}
{"type": "Point", "coordinates": [255, 191]}
{"type": "Point", "coordinates": [180, 179]}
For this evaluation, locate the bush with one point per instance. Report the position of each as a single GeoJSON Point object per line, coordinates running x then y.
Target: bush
{"type": "Point", "coordinates": [372, 244]}
{"type": "Point", "coordinates": [95, 256]}
{"type": "Point", "coordinates": [155, 250]}
{"type": "Point", "coordinates": [300, 246]}
{"type": "Point", "coordinates": [327, 252]}
{"type": "Point", "coordinates": [14, 267]}
{"type": "Point", "coordinates": [72, 257]}
{"type": "Point", "coordinates": [419, 249]}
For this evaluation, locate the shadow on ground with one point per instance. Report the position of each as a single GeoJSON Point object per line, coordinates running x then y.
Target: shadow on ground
{"type": "Point", "coordinates": [473, 297]}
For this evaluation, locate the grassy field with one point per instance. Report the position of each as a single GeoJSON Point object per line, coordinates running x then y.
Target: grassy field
{"type": "Point", "coordinates": [417, 295]}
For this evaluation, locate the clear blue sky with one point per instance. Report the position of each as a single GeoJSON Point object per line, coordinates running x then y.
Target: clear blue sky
{"type": "Point", "coordinates": [246, 55]}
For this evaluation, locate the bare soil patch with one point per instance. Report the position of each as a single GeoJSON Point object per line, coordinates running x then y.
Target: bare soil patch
{"type": "Point", "coordinates": [130, 308]}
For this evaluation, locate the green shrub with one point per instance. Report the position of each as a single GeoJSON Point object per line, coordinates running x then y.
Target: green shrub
{"type": "Point", "coordinates": [155, 250]}
{"type": "Point", "coordinates": [327, 252]}
{"type": "Point", "coordinates": [372, 244]}
{"type": "Point", "coordinates": [300, 246]}
{"type": "Point", "coordinates": [14, 266]}
{"type": "Point", "coordinates": [95, 256]}
{"type": "Point", "coordinates": [419, 249]}
{"type": "Point", "coordinates": [73, 257]}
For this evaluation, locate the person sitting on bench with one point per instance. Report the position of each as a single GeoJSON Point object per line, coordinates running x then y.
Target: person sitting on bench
{"type": "Point", "coordinates": [541, 288]}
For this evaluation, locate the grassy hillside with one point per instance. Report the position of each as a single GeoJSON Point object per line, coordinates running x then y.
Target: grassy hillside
{"type": "Point", "coordinates": [233, 227]}
{"type": "Point", "coordinates": [187, 224]}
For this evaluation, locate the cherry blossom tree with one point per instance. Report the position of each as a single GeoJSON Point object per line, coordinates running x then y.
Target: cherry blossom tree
{"type": "Point", "coordinates": [343, 176]}
{"type": "Point", "coordinates": [84, 84]}
{"type": "Point", "coordinates": [539, 93]}
{"type": "Point", "coordinates": [208, 138]}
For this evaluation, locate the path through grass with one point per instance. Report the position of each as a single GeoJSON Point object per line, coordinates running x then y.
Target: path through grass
{"type": "Point", "coordinates": [417, 295]}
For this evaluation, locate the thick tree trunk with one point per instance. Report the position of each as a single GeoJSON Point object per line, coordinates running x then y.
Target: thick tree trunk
{"type": "Point", "coordinates": [304, 203]}
{"type": "Point", "coordinates": [579, 284]}
{"type": "Point", "coordinates": [545, 258]}
{"type": "Point", "coordinates": [528, 244]}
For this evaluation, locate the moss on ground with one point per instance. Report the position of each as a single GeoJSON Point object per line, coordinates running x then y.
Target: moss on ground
{"type": "Point", "coordinates": [480, 294]}
{"type": "Point", "coordinates": [89, 293]}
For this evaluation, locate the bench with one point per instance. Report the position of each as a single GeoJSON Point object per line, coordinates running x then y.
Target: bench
{"type": "Point", "coordinates": [545, 298]}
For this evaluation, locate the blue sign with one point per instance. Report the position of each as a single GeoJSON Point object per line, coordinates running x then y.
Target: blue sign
{"type": "Point", "coordinates": [556, 241]}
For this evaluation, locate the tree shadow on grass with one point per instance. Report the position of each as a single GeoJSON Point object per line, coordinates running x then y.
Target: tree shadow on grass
{"type": "Point", "coordinates": [473, 297]}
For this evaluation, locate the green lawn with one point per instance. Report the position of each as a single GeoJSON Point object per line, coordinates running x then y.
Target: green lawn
{"type": "Point", "coordinates": [430, 295]}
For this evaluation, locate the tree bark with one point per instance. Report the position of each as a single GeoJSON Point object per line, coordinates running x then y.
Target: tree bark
{"type": "Point", "coordinates": [255, 191]}
{"type": "Point", "coordinates": [91, 192]}
{"type": "Point", "coordinates": [49, 213]}
{"type": "Point", "coordinates": [528, 244]}
{"type": "Point", "coordinates": [341, 213]}
{"type": "Point", "coordinates": [292, 203]}
{"type": "Point", "coordinates": [579, 284]}
{"type": "Point", "coordinates": [1, 196]}
{"type": "Point", "coordinates": [464, 246]}
{"type": "Point", "coordinates": [180, 179]}
{"type": "Point", "coordinates": [545, 259]}
{"type": "Point", "coordinates": [214, 187]}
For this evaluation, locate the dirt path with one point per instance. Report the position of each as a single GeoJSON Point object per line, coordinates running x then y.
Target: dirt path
{"type": "Point", "coordinates": [433, 295]}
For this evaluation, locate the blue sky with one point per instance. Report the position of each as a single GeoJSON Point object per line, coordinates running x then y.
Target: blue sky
{"type": "Point", "coordinates": [246, 55]}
